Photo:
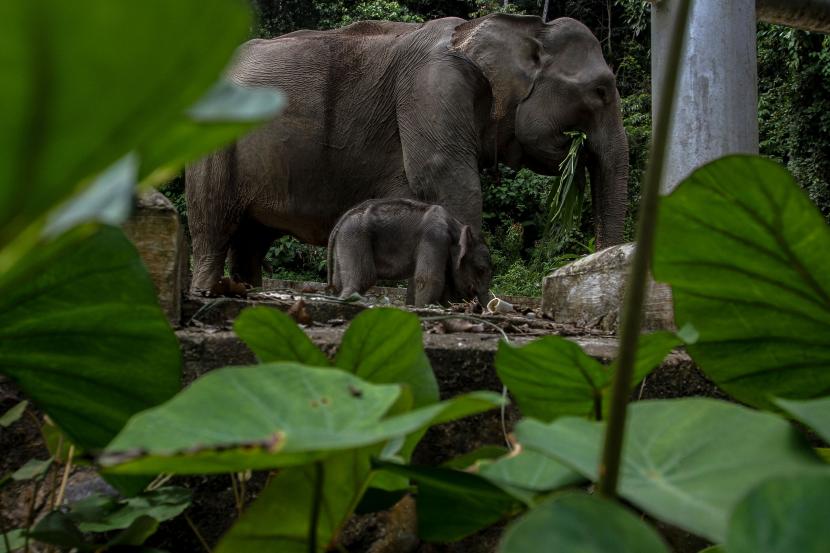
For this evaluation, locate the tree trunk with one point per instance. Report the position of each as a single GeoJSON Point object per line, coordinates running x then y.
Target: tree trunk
{"type": "Point", "coordinates": [545, 12]}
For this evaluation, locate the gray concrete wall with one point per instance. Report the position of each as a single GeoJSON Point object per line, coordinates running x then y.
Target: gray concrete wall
{"type": "Point", "coordinates": [716, 110]}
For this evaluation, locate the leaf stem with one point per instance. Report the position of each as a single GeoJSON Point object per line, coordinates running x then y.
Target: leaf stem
{"type": "Point", "coordinates": [636, 286]}
{"type": "Point", "coordinates": [315, 506]}
{"type": "Point", "coordinates": [65, 479]}
{"type": "Point", "coordinates": [5, 537]}
{"type": "Point", "coordinates": [196, 531]}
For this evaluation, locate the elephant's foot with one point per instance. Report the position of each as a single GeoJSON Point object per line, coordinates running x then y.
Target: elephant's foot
{"type": "Point", "coordinates": [225, 287]}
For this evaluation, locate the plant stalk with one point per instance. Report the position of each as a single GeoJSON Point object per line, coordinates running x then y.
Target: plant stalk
{"type": "Point", "coordinates": [315, 506]}
{"type": "Point", "coordinates": [196, 531]}
{"type": "Point", "coordinates": [636, 286]}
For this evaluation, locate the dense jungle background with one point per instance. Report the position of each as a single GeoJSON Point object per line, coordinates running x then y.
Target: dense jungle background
{"type": "Point", "coordinates": [793, 113]}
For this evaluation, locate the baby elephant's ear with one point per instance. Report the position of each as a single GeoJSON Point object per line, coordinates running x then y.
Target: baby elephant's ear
{"type": "Point", "coordinates": [465, 243]}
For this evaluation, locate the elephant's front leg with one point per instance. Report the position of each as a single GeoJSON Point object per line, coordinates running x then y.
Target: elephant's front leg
{"type": "Point", "coordinates": [430, 271]}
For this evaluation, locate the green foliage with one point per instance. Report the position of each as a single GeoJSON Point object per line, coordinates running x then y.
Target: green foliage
{"type": "Point", "coordinates": [99, 513]}
{"type": "Point", "coordinates": [136, 519]}
{"type": "Point", "coordinates": [131, 105]}
{"type": "Point", "coordinates": [528, 472]}
{"type": "Point", "coordinates": [485, 7]}
{"type": "Point", "coordinates": [743, 249]}
{"type": "Point", "coordinates": [279, 519]}
{"type": "Point", "coordinates": [34, 469]}
{"type": "Point", "coordinates": [385, 346]}
{"type": "Point", "coordinates": [763, 521]}
{"type": "Point", "coordinates": [687, 462]}
{"type": "Point", "coordinates": [814, 413]}
{"type": "Point", "coordinates": [580, 522]}
{"type": "Point", "coordinates": [68, 316]}
{"type": "Point", "coordinates": [290, 259]}
{"type": "Point", "coordinates": [794, 106]}
{"type": "Point", "coordinates": [13, 415]}
{"type": "Point", "coordinates": [565, 201]}
{"type": "Point", "coordinates": [387, 10]}
{"type": "Point", "coordinates": [453, 504]}
{"type": "Point", "coordinates": [278, 415]}
{"type": "Point", "coordinates": [552, 377]}
{"type": "Point", "coordinates": [274, 336]}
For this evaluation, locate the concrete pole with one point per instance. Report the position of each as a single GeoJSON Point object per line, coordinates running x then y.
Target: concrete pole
{"type": "Point", "coordinates": [716, 112]}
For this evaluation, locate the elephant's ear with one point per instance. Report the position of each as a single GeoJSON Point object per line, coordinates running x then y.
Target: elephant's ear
{"type": "Point", "coordinates": [465, 244]}
{"type": "Point", "coordinates": [506, 50]}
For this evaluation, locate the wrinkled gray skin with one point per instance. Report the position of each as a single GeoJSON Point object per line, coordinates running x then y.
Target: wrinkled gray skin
{"type": "Point", "coordinates": [385, 110]}
{"type": "Point", "coordinates": [399, 238]}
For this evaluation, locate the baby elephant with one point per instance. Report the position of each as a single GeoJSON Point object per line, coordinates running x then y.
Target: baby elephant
{"type": "Point", "coordinates": [399, 238]}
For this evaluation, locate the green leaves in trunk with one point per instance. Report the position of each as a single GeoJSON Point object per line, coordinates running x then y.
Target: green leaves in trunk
{"type": "Point", "coordinates": [687, 462]}
{"type": "Point", "coordinates": [84, 82]}
{"type": "Point", "coordinates": [82, 334]}
{"type": "Point", "coordinates": [783, 515]}
{"type": "Point", "coordinates": [583, 523]}
{"type": "Point", "coordinates": [552, 377]}
{"type": "Point", "coordinates": [745, 252]}
{"type": "Point", "coordinates": [269, 416]}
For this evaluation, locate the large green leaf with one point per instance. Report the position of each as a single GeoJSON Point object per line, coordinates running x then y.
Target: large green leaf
{"type": "Point", "coordinates": [529, 470]}
{"type": "Point", "coordinates": [783, 515]}
{"type": "Point", "coordinates": [82, 334]}
{"type": "Point", "coordinates": [268, 416]}
{"type": "Point", "coordinates": [576, 522]}
{"type": "Point", "coordinates": [744, 250]}
{"type": "Point", "coordinates": [385, 346]}
{"type": "Point", "coordinates": [274, 524]}
{"type": "Point", "coordinates": [552, 377]}
{"type": "Point", "coordinates": [453, 504]}
{"type": "Point", "coordinates": [83, 82]}
{"type": "Point", "coordinates": [814, 413]}
{"type": "Point", "coordinates": [687, 462]}
{"type": "Point", "coordinates": [274, 336]}
{"type": "Point", "coordinates": [225, 112]}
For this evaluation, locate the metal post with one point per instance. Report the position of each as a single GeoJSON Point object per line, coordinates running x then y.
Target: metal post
{"type": "Point", "coordinates": [716, 113]}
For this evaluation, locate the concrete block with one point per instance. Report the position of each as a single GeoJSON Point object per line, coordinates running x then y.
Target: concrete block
{"type": "Point", "coordinates": [589, 293]}
{"type": "Point", "coordinates": [158, 234]}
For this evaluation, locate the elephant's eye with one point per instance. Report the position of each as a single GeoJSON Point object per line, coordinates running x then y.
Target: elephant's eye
{"type": "Point", "coordinates": [602, 94]}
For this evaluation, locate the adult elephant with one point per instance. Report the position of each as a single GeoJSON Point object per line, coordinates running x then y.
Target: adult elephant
{"type": "Point", "coordinates": [380, 109]}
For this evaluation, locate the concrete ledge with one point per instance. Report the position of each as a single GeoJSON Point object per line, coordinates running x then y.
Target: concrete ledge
{"type": "Point", "coordinates": [589, 293]}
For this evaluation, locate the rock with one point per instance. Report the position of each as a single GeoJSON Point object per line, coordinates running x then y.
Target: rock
{"type": "Point", "coordinates": [589, 293]}
{"type": "Point", "coordinates": [158, 234]}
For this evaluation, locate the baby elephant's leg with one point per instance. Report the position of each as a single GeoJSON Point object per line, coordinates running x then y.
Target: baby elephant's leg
{"type": "Point", "coordinates": [354, 264]}
{"type": "Point", "coordinates": [430, 268]}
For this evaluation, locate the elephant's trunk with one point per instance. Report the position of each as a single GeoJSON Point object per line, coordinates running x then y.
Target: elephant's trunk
{"type": "Point", "coordinates": [608, 167]}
